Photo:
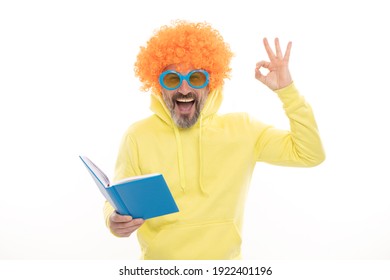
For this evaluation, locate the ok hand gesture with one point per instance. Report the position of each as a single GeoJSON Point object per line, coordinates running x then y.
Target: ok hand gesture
{"type": "Point", "coordinates": [278, 76]}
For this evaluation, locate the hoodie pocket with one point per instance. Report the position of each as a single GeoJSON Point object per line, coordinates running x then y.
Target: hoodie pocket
{"type": "Point", "coordinates": [218, 240]}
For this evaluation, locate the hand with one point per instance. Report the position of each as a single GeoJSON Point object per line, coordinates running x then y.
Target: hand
{"type": "Point", "coordinates": [124, 226]}
{"type": "Point", "coordinates": [278, 76]}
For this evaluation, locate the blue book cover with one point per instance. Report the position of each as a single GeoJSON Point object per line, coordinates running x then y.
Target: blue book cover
{"type": "Point", "coordinates": [145, 196]}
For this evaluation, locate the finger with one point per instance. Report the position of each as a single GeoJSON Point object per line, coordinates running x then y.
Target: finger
{"type": "Point", "coordinates": [117, 218]}
{"type": "Point", "coordinates": [123, 232]}
{"type": "Point", "coordinates": [133, 223]}
{"type": "Point", "coordinates": [263, 63]}
{"type": "Point", "coordinates": [268, 49]}
{"type": "Point", "coordinates": [288, 51]}
{"type": "Point", "coordinates": [258, 75]}
{"type": "Point", "coordinates": [277, 48]}
{"type": "Point", "coordinates": [259, 65]}
{"type": "Point", "coordinates": [126, 231]}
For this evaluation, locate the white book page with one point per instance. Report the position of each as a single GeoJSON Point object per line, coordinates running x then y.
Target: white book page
{"type": "Point", "coordinates": [96, 170]}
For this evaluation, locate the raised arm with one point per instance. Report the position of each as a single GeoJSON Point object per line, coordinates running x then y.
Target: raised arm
{"type": "Point", "coordinates": [301, 145]}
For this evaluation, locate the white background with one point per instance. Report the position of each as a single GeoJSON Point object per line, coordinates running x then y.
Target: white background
{"type": "Point", "coordinates": [67, 88]}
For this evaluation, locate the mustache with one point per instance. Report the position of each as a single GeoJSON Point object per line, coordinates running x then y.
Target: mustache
{"type": "Point", "coordinates": [189, 95]}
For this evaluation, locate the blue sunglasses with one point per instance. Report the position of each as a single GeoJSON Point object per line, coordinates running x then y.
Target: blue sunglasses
{"type": "Point", "coordinates": [171, 80]}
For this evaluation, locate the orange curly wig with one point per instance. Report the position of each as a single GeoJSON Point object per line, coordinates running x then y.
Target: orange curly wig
{"type": "Point", "coordinates": [196, 44]}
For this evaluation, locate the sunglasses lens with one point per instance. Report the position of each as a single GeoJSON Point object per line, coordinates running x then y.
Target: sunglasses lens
{"type": "Point", "coordinates": [198, 79]}
{"type": "Point", "coordinates": [171, 80]}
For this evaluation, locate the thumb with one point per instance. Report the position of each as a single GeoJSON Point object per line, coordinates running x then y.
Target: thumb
{"type": "Point", "coordinates": [258, 75]}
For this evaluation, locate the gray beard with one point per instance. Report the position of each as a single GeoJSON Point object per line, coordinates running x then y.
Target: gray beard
{"type": "Point", "coordinates": [186, 121]}
{"type": "Point", "coordinates": [183, 121]}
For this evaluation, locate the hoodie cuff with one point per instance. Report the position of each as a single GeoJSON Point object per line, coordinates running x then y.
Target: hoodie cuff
{"type": "Point", "coordinates": [286, 90]}
{"type": "Point", "coordinates": [290, 97]}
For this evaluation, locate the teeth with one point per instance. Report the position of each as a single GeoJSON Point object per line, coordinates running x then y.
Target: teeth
{"type": "Point", "coordinates": [184, 100]}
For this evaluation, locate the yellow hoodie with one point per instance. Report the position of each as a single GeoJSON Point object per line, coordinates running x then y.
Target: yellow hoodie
{"type": "Point", "coordinates": [208, 168]}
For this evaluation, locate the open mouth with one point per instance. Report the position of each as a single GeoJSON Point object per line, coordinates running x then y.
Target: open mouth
{"type": "Point", "coordinates": [185, 104]}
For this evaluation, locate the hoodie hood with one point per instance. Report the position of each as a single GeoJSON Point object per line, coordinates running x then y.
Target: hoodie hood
{"type": "Point", "coordinates": [211, 107]}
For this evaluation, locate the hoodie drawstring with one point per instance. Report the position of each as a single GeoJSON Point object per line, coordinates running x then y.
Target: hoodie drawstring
{"type": "Point", "coordinates": [180, 158]}
{"type": "Point", "coordinates": [201, 156]}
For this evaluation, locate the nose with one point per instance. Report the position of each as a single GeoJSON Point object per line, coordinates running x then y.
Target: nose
{"type": "Point", "coordinates": [185, 88]}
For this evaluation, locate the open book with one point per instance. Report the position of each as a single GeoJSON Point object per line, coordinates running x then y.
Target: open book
{"type": "Point", "coordinates": [145, 196]}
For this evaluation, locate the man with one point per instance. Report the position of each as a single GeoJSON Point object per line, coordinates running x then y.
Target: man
{"type": "Point", "coordinates": [207, 159]}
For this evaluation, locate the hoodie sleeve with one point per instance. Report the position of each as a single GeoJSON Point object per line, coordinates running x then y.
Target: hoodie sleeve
{"type": "Point", "coordinates": [126, 166]}
{"type": "Point", "coordinates": [301, 146]}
